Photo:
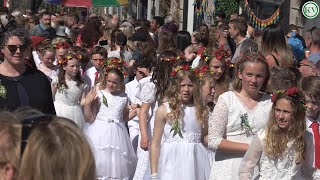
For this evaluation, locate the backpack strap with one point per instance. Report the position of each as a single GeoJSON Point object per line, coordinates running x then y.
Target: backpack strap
{"type": "Point", "coordinates": [275, 59]}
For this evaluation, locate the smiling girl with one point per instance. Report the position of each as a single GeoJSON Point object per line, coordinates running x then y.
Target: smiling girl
{"type": "Point", "coordinates": [47, 57]}
{"type": "Point", "coordinates": [280, 149]}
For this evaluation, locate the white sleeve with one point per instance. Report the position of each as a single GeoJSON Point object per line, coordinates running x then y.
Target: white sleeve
{"type": "Point", "coordinates": [148, 93]}
{"type": "Point", "coordinates": [251, 159]}
{"type": "Point", "coordinates": [218, 121]}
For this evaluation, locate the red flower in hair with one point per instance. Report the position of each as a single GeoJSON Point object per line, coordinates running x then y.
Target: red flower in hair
{"type": "Point", "coordinates": [292, 91]}
{"type": "Point", "coordinates": [186, 67]}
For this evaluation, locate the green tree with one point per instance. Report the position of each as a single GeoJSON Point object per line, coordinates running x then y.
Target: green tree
{"type": "Point", "coordinates": [227, 6]}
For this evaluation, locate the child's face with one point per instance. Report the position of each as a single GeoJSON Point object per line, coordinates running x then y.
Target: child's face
{"type": "Point", "coordinates": [313, 108]}
{"type": "Point", "coordinates": [60, 53]}
{"type": "Point", "coordinates": [113, 82]}
{"type": "Point", "coordinates": [186, 90]}
{"type": "Point", "coordinates": [48, 58]}
{"type": "Point", "coordinates": [252, 76]}
{"type": "Point", "coordinates": [217, 67]}
{"type": "Point", "coordinates": [208, 91]}
{"type": "Point", "coordinates": [72, 68]}
{"type": "Point", "coordinates": [283, 113]}
{"type": "Point", "coordinates": [97, 60]}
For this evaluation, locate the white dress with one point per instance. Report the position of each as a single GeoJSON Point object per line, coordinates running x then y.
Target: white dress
{"type": "Point", "coordinates": [67, 101]}
{"type": "Point", "coordinates": [283, 168]}
{"type": "Point", "coordinates": [225, 122]}
{"type": "Point", "coordinates": [108, 135]}
{"type": "Point", "coordinates": [183, 158]}
{"type": "Point", "coordinates": [147, 95]}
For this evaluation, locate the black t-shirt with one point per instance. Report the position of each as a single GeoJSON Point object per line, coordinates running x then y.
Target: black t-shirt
{"type": "Point", "coordinates": [32, 88]}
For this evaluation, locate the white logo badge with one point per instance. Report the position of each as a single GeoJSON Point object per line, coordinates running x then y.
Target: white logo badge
{"type": "Point", "coordinates": [310, 9]}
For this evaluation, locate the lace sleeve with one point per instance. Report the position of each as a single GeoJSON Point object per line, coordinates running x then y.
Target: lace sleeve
{"type": "Point", "coordinates": [250, 159]}
{"type": "Point", "coordinates": [218, 121]}
{"type": "Point", "coordinates": [148, 93]}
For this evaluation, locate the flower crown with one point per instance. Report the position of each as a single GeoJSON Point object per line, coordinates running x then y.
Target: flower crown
{"type": "Point", "coordinates": [200, 72]}
{"type": "Point", "coordinates": [115, 63]}
{"type": "Point", "coordinates": [60, 45]}
{"type": "Point", "coordinates": [69, 56]}
{"type": "Point", "coordinates": [204, 55]}
{"type": "Point", "coordinates": [220, 53]}
{"type": "Point", "coordinates": [292, 92]}
{"type": "Point", "coordinates": [180, 57]}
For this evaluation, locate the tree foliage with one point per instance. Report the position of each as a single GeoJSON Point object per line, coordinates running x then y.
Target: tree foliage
{"type": "Point", "coordinates": [227, 6]}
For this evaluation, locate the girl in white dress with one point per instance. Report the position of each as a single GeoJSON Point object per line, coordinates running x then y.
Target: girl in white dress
{"type": "Point", "coordinates": [69, 89]}
{"type": "Point", "coordinates": [180, 121]}
{"type": "Point", "coordinates": [106, 112]}
{"type": "Point", "coordinates": [280, 149]}
{"type": "Point", "coordinates": [47, 58]}
{"type": "Point", "coordinates": [238, 115]}
{"type": "Point", "coordinates": [152, 92]}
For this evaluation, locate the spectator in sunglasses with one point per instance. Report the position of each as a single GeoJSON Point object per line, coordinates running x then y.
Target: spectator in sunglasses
{"type": "Point", "coordinates": [21, 85]}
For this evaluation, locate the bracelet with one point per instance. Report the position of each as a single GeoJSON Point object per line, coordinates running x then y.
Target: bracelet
{"type": "Point", "coordinates": [154, 176]}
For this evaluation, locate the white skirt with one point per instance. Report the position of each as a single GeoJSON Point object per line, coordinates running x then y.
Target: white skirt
{"type": "Point", "coordinates": [72, 112]}
{"type": "Point", "coordinates": [112, 149]}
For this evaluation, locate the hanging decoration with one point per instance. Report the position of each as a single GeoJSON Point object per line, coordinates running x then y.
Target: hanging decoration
{"type": "Point", "coordinates": [204, 7]}
{"type": "Point", "coordinates": [260, 24]}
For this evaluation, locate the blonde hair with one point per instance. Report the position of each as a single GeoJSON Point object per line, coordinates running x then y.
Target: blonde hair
{"type": "Point", "coordinates": [174, 100]}
{"type": "Point", "coordinates": [253, 57]}
{"type": "Point", "coordinates": [57, 149]}
{"type": "Point", "coordinates": [276, 139]}
{"type": "Point", "coordinates": [10, 139]}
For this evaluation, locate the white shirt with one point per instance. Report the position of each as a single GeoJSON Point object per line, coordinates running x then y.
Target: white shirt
{"type": "Point", "coordinates": [132, 88]}
{"type": "Point", "coordinates": [309, 133]}
{"type": "Point", "coordinates": [90, 75]}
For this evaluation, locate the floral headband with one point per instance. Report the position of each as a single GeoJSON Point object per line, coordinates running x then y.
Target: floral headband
{"type": "Point", "coordinates": [69, 56]}
{"type": "Point", "coordinates": [292, 92]}
{"type": "Point", "coordinates": [200, 72]}
{"type": "Point", "coordinates": [115, 63]}
{"type": "Point", "coordinates": [204, 55]}
{"type": "Point", "coordinates": [62, 45]}
{"type": "Point", "coordinates": [220, 53]}
{"type": "Point", "coordinates": [180, 57]}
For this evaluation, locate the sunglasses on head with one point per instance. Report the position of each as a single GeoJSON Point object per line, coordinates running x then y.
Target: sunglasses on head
{"type": "Point", "coordinates": [298, 65]}
{"type": "Point", "coordinates": [28, 124]}
{"type": "Point", "coordinates": [13, 48]}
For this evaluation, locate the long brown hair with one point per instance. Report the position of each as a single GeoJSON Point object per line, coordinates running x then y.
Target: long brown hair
{"type": "Point", "coordinates": [276, 139]}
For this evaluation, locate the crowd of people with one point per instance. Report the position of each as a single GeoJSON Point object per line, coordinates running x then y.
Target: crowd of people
{"type": "Point", "coordinates": [103, 98]}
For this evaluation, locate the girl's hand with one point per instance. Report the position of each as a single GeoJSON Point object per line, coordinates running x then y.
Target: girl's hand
{"type": "Point", "coordinates": [144, 144]}
{"type": "Point", "coordinates": [91, 96]}
{"type": "Point", "coordinates": [134, 106]}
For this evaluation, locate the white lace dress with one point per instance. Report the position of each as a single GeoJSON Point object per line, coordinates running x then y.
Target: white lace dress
{"type": "Point", "coordinates": [67, 101]}
{"type": "Point", "coordinates": [147, 95]}
{"type": "Point", "coordinates": [183, 158]}
{"type": "Point", "coordinates": [225, 123]}
{"type": "Point", "coordinates": [283, 168]}
{"type": "Point", "coordinates": [108, 135]}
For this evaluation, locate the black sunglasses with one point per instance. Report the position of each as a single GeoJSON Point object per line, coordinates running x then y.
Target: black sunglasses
{"type": "Point", "coordinates": [28, 124]}
{"type": "Point", "coordinates": [13, 48]}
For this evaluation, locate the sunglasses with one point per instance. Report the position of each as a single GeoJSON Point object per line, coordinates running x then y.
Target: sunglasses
{"type": "Point", "coordinates": [28, 124]}
{"type": "Point", "coordinates": [298, 65]}
{"type": "Point", "coordinates": [13, 48]}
